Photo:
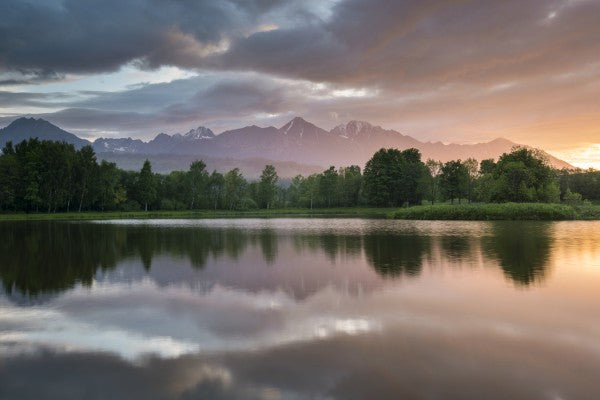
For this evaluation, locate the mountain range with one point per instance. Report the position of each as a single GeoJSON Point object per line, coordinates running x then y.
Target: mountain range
{"type": "Point", "coordinates": [298, 145]}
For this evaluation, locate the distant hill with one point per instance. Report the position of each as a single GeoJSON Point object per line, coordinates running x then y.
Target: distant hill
{"type": "Point", "coordinates": [26, 128]}
{"type": "Point", "coordinates": [297, 147]}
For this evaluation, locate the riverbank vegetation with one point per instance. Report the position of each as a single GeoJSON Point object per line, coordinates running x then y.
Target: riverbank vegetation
{"type": "Point", "coordinates": [467, 212]}
{"type": "Point", "coordinates": [56, 179]}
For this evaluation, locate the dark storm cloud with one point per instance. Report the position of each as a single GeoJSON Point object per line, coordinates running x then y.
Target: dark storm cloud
{"type": "Point", "coordinates": [44, 38]}
{"type": "Point", "coordinates": [374, 42]}
{"type": "Point", "coordinates": [12, 82]}
{"type": "Point", "coordinates": [30, 99]}
{"type": "Point", "coordinates": [416, 42]}
{"type": "Point", "coordinates": [211, 96]}
{"type": "Point", "coordinates": [243, 97]}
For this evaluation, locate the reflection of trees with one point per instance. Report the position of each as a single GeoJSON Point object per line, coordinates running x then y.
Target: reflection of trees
{"type": "Point", "coordinates": [390, 254]}
{"type": "Point", "coordinates": [41, 257]}
{"type": "Point", "coordinates": [268, 245]}
{"type": "Point", "coordinates": [45, 257]}
{"type": "Point", "coordinates": [394, 254]}
{"type": "Point", "coordinates": [522, 249]}
{"type": "Point", "coordinates": [333, 245]}
{"type": "Point", "coordinates": [455, 247]}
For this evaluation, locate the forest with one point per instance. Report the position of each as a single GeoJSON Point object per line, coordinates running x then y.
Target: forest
{"type": "Point", "coordinates": [47, 176]}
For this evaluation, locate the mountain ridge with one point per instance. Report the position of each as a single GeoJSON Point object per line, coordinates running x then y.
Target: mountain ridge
{"type": "Point", "coordinates": [298, 141]}
{"type": "Point", "coordinates": [25, 128]}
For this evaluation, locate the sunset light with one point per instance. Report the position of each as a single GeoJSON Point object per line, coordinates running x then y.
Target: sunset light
{"type": "Point", "coordinates": [300, 199]}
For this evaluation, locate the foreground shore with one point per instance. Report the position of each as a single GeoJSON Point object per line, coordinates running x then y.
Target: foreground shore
{"type": "Point", "coordinates": [466, 212]}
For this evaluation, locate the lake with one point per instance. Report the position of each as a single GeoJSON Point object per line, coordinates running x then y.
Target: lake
{"type": "Point", "coordinates": [299, 309]}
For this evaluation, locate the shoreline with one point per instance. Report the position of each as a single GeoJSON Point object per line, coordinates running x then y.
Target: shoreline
{"type": "Point", "coordinates": [437, 212]}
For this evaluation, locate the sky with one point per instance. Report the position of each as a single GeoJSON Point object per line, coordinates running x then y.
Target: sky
{"type": "Point", "coordinates": [460, 71]}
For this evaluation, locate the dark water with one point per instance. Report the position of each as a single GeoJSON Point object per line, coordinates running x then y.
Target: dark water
{"type": "Point", "coordinates": [299, 309]}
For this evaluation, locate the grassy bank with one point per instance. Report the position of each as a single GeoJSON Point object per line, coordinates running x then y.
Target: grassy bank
{"type": "Point", "coordinates": [504, 211]}
{"type": "Point", "coordinates": [347, 212]}
{"type": "Point", "coordinates": [469, 212]}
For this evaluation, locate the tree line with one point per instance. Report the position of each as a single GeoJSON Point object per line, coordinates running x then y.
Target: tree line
{"type": "Point", "coordinates": [47, 176]}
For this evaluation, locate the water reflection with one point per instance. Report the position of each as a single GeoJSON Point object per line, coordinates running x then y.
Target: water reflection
{"type": "Point", "coordinates": [268, 245]}
{"type": "Point", "coordinates": [396, 254]}
{"type": "Point", "coordinates": [456, 247]}
{"type": "Point", "coordinates": [522, 249]}
{"type": "Point", "coordinates": [46, 257]}
{"type": "Point", "coordinates": [299, 309]}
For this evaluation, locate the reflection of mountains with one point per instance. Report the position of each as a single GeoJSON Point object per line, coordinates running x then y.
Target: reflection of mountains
{"type": "Point", "coordinates": [46, 257]}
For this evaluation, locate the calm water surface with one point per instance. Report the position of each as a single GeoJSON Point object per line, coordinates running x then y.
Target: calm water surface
{"type": "Point", "coordinates": [299, 309]}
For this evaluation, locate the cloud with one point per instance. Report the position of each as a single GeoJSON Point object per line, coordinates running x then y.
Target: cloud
{"type": "Point", "coordinates": [369, 42]}
{"type": "Point", "coordinates": [414, 41]}
{"type": "Point", "coordinates": [84, 36]}
{"type": "Point", "coordinates": [456, 71]}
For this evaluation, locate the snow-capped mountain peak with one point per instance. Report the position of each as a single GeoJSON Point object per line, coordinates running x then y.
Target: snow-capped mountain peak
{"type": "Point", "coordinates": [352, 129]}
{"type": "Point", "coordinates": [199, 133]}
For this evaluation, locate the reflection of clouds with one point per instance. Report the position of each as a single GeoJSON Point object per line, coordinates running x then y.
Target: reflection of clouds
{"type": "Point", "coordinates": [135, 319]}
{"type": "Point", "coordinates": [142, 317]}
{"type": "Point", "coordinates": [398, 362]}
{"type": "Point", "coordinates": [348, 326]}
{"type": "Point", "coordinates": [56, 328]}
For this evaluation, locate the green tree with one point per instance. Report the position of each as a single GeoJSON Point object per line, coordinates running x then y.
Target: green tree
{"type": "Point", "coordinates": [29, 159]}
{"type": "Point", "coordinates": [110, 194]}
{"type": "Point", "coordinates": [310, 190]}
{"type": "Point", "coordinates": [267, 187]}
{"type": "Point", "coordinates": [146, 185]}
{"type": "Point", "coordinates": [198, 182]}
{"type": "Point", "coordinates": [328, 182]}
{"type": "Point", "coordinates": [382, 178]}
{"type": "Point", "coordinates": [454, 180]}
{"type": "Point", "coordinates": [394, 177]}
{"type": "Point", "coordinates": [412, 175]}
{"type": "Point", "coordinates": [55, 163]}
{"type": "Point", "coordinates": [216, 189]}
{"type": "Point", "coordinates": [586, 183]}
{"type": "Point", "coordinates": [350, 185]}
{"type": "Point", "coordinates": [487, 166]}
{"type": "Point", "coordinates": [294, 191]}
{"type": "Point", "coordinates": [235, 185]}
{"type": "Point", "coordinates": [472, 167]}
{"type": "Point", "coordinates": [572, 197]}
{"type": "Point", "coordinates": [85, 172]}
{"type": "Point", "coordinates": [177, 191]}
{"type": "Point", "coordinates": [434, 169]}
{"type": "Point", "coordinates": [523, 175]}
{"type": "Point", "coordinates": [9, 177]}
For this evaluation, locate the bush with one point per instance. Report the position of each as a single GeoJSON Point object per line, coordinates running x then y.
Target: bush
{"type": "Point", "coordinates": [247, 203]}
{"type": "Point", "coordinates": [172, 205]}
{"type": "Point", "coordinates": [482, 212]}
{"type": "Point", "coordinates": [572, 197]}
{"type": "Point", "coordinates": [131, 205]}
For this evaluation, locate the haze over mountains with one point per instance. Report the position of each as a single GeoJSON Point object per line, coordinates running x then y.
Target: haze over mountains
{"type": "Point", "coordinates": [297, 147]}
